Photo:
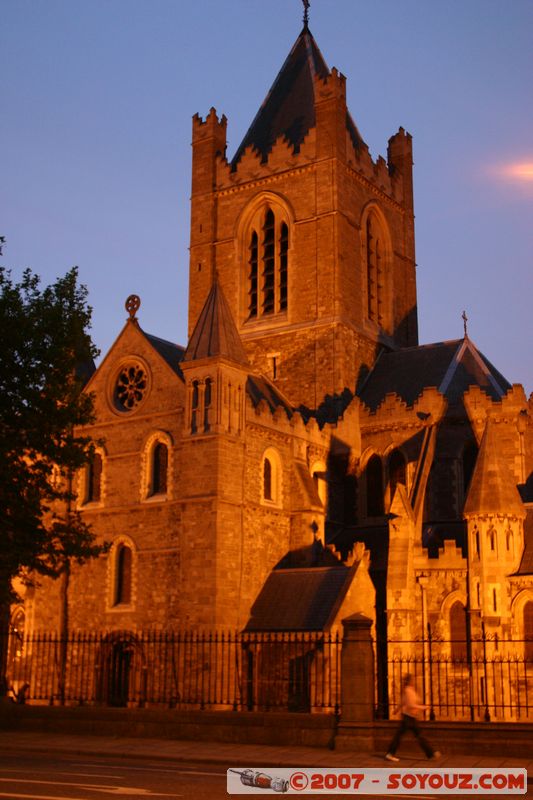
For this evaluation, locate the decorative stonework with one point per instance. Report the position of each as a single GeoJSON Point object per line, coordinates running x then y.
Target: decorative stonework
{"type": "Point", "coordinates": [129, 386]}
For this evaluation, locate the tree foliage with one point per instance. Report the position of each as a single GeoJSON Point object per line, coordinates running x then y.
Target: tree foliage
{"type": "Point", "coordinates": [46, 355]}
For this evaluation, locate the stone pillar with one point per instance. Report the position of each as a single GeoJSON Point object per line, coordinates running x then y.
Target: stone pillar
{"type": "Point", "coordinates": [356, 728]}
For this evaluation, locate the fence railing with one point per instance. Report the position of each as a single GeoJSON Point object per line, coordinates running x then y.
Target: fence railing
{"type": "Point", "coordinates": [481, 678]}
{"type": "Point", "coordinates": [187, 670]}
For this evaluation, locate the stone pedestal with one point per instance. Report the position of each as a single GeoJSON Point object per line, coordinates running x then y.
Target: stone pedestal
{"type": "Point", "coordinates": [356, 728]}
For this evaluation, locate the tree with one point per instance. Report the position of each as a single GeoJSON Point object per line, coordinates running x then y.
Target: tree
{"type": "Point", "coordinates": [46, 355]}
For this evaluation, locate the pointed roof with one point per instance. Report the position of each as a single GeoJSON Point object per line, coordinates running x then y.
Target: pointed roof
{"type": "Point", "coordinates": [215, 333]}
{"type": "Point", "coordinates": [300, 599]}
{"type": "Point", "coordinates": [170, 352]}
{"type": "Point", "coordinates": [289, 107]}
{"type": "Point", "coordinates": [451, 367]}
{"type": "Point", "coordinates": [492, 488]}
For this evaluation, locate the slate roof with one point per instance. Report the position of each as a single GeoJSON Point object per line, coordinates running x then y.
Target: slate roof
{"type": "Point", "coordinates": [260, 388]}
{"type": "Point", "coordinates": [289, 107]}
{"type": "Point", "coordinates": [170, 352]}
{"type": "Point", "coordinates": [215, 333]}
{"type": "Point", "coordinates": [451, 367]}
{"type": "Point", "coordinates": [304, 599]}
{"type": "Point", "coordinates": [493, 488]}
{"type": "Point", "coordinates": [526, 564]}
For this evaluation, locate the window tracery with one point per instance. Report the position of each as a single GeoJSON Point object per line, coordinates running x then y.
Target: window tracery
{"type": "Point", "coordinates": [267, 247]}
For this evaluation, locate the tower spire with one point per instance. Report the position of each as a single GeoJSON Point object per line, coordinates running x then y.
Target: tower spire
{"type": "Point", "coordinates": [306, 14]}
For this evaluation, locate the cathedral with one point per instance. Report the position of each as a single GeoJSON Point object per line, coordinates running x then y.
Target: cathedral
{"type": "Point", "coordinates": [302, 457]}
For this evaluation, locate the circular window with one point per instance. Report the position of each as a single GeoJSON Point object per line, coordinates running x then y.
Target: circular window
{"type": "Point", "coordinates": [130, 387]}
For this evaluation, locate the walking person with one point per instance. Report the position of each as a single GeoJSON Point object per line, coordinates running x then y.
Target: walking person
{"type": "Point", "coordinates": [410, 706]}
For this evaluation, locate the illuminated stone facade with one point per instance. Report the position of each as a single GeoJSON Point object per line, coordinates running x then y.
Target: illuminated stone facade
{"type": "Point", "coordinates": [303, 416]}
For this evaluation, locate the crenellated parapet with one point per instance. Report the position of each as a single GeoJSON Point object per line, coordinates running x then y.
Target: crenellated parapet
{"type": "Point", "coordinates": [212, 127]}
{"type": "Point", "coordinates": [394, 413]}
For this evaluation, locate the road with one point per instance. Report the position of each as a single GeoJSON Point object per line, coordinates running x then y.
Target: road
{"type": "Point", "coordinates": [36, 776]}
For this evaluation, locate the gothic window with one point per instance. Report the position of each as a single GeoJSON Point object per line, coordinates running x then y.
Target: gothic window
{"type": "Point", "coordinates": [271, 478]}
{"type": "Point", "coordinates": [131, 386]}
{"type": "Point", "coordinates": [283, 262]}
{"type": "Point", "coordinates": [94, 479]}
{"type": "Point", "coordinates": [156, 467]}
{"type": "Point", "coordinates": [159, 468]}
{"type": "Point", "coordinates": [528, 631]}
{"type": "Point", "coordinates": [374, 487]}
{"type": "Point", "coordinates": [208, 399]}
{"type": "Point", "coordinates": [252, 276]}
{"type": "Point", "coordinates": [491, 535]}
{"type": "Point", "coordinates": [123, 575]}
{"type": "Point", "coordinates": [508, 539]}
{"type": "Point", "coordinates": [458, 631]}
{"type": "Point", "coordinates": [268, 263]}
{"type": "Point", "coordinates": [397, 471]}
{"type": "Point", "coordinates": [374, 270]}
{"type": "Point", "coordinates": [267, 479]}
{"type": "Point", "coordinates": [194, 406]}
{"type": "Point", "coordinates": [476, 541]}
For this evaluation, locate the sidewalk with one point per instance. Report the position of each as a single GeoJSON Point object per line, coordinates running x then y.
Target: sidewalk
{"type": "Point", "coordinates": [230, 755]}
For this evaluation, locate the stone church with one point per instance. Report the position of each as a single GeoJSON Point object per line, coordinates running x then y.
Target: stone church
{"type": "Point", "coordinates": [302, 457]}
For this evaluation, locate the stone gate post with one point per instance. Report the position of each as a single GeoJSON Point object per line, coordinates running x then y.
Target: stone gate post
{"type": "Point", "coordinates": [356, 727]}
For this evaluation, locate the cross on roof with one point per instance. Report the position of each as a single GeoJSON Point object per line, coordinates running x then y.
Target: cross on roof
{"type": "Point", "coordinates": [306, 12]}
{"type": "Point", "coordinates": [465, 320]}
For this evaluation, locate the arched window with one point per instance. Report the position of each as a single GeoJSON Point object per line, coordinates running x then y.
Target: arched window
{"type": "Point", "coordinates": [156, 467]}
{"type": "Point", "coordinates": [123, 575]}
{"type": "Point", "coordinates": [268, 262]}
{"type": "Point", "coordinates": [374, 270]}
{"type": "Point", "coordinates": [491, 535]}
{"type": "Point", "coordinates": [94, 479]}
{"type": "Point", "coordinates": [458, 631]}
{"type": "Point", "coordinates": [195, 400]}
{"type": "Point", "coordinates": [397, 471]}
{"type": "Point", "coordinates": [374, 487]}
{"type": "Point", "coordinates": [267, 479]}
{"type": "Point", "coordinates": [159, 468]}
{"type": "Point", "coordinates": [271, 477]}
{"type": "Point", "coordinates": [528, 631]}
{"type": "Point", "coordinates": [208, 399]}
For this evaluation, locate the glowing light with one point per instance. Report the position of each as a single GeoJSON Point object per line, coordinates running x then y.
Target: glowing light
{"type": "Point", "coordinates": [522, 171]}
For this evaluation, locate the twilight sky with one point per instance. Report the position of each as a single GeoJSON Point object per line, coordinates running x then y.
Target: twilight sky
{"type": "Point", "coordinates": [97, 100]}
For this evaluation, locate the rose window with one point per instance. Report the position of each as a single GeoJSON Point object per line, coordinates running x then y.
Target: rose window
{"type": "Point", "coordinates": [130, 387]}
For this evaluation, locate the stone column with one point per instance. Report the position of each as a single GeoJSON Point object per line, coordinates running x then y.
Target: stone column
{"type": "Point", "coordinates": [356, 728]}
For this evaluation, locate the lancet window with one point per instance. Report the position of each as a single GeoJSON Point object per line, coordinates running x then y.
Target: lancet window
{"type": "Point", "coordinates": [123, 575]}
{"type": "Point", "coordinates": [374, 269]}
{"type": "Point", "coordinates": [268, 263]}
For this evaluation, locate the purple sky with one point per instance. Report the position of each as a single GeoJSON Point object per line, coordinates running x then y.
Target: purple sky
{"type": "Point", "coordinates": [95, 138]}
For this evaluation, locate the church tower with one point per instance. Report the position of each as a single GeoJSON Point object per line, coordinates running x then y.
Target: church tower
{"type": "Point", "coordinates": [312, 240]}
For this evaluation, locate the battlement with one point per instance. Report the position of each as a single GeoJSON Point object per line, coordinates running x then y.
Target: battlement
{"type": "Point", "coordinates": [209, 127]}
{"type": "Point", "coordinates": [331, 86]}
{"type": "Point", "coordinates": [428, 409]}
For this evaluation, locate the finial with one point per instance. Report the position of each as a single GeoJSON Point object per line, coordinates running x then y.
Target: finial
{"type": "Point", "coordinates": [306, 13]}
{"type": "Point", "coordinates": [465, 320]}
{"type": "Point", "coordinates": [132, 305]}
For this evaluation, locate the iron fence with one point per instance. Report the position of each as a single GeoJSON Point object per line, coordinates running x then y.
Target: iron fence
{"type": "Point", "coordinates": [482, 678]}
{"type": "Point", "coordinates": [185, 669]}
